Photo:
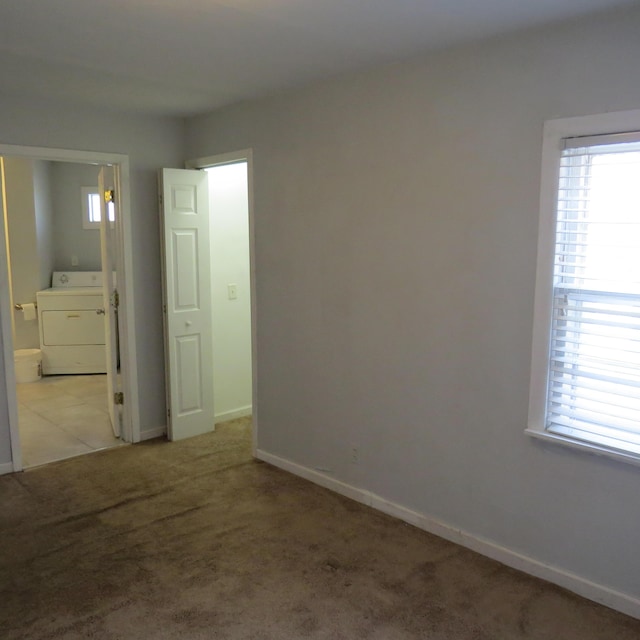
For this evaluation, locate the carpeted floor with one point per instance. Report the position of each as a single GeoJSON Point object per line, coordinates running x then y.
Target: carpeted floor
{"type": "Point", "coordinates": [195, 540]}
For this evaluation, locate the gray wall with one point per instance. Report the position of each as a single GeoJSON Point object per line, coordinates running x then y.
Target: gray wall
{"type": "Point", "coordinates": [45, 224]}
{"type": "Point", "coordinates": [5, 443]}
{"type": "Point", "coordinates": [150, 143]}
{"type": "Point", "coordinates": [70, 237]}
{"type": "Point", "coordinates": [27, 227]}
{"type": "Point", "coordinates": [396, 230]}
{"type": "Point", "coordinates": [44, 221]}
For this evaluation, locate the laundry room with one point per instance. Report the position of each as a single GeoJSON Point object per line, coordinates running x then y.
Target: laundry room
{"type": "Point", "coordinates": [52, 225]}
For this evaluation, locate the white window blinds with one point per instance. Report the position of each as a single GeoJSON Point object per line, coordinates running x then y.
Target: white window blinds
{"type": "Point", "coordinates": [594, 368]}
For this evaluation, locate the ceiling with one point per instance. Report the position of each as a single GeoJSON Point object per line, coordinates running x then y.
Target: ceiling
{"type": "Point", "coordinates": [183, 57]}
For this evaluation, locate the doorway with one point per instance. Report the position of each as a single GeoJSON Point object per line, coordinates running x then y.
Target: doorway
{"type": "Point", "coordinates": [230, 290]}
{"type": "Point", "coordinates": [62, 417]}
{"type": "Point", "coordinates": [56, 409]}
{"type": "Point", "coordinates": [209, 294]}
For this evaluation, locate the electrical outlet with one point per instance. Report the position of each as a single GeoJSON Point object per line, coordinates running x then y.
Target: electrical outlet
{"type": "Point", "coordinates": [355, 455]}
{"type": "Point", "coordinates": [232, 291]}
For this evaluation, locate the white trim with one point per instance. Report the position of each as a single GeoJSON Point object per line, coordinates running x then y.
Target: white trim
{"type": "Point", "coordinates": [604, 140]}
{"type": "Point", "coordinates": [219, 159]}
{"type": "Point", "coordinates": [229, 158]}
{"type": "Point", "coordinates": [7, 467]}
{"type": "Point", "coordinates": [544, 278]}
{"type": "Point", "coordinates": [126, 315]}
{"type": "Point", "coordinates": [603, 123]}
{"type": "Point", "coordinates": [131, 413]}
{"type": "Point", "coordinates": [6, 328]}
{"type": "Point", "coordinates": [555, 131]}
{"type": "Point", "coordinates": [241, 412]}
{"type": "Point", "coordinates": [577, 584]}
{"type": "Point", "coordinates": [581, 445]}
{"type": "Point", "coordinates": [150, 434]}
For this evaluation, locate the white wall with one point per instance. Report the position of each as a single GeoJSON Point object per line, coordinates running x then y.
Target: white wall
{"type": "Point", "coordinates": [150, 143]}
{"type": "Point", "coordinates": [25, 229]}
{"type": "Point", "coordinates": [70, 237]}
{"type": "Point", "coordinates": [396, 218]}
{"type": "Point", "coordinates": [228, 199]}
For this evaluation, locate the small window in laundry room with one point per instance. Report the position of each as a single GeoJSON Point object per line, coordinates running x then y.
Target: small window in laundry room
{"type": "Point", "coordinates": [91, 208]}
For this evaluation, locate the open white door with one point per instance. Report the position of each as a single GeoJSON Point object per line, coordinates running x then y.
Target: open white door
{"type": "Point", "coordinates": [184, 207]}
{"type": "Point", "coordinates": [109, 210]}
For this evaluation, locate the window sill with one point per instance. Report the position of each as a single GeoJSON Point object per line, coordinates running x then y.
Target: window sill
{"type": "Point", "coordinates": [588, 447]}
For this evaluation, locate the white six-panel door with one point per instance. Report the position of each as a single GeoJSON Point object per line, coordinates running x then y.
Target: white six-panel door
{"type": "Point", "coordinates": [107, 181]}
{"type": "Point", "coordinates": [184, 206]}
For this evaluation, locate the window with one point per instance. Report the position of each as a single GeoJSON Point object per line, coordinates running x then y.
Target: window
{"type": "Point", "coordinates": [588, 296]}
{"type": "Point", "coordinates": [91, 208]}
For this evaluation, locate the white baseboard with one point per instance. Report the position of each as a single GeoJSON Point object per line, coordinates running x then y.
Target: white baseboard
{"type": "Point", "coordinates": [240, 412]}
{"type": "Point", "coordinates": [617, 600]}
{"type": "Point", "coordinates": [6, 467]}
{"type": "Point", "coordinates": [158, 432]}
{"type": "Point", "coordinates": [150, 434]}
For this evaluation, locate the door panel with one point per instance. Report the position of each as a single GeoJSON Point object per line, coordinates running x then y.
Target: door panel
{"type": "Point", "coordinates": [187, 302]}
{"type": "Point", "coordinates": [188, 349]}
{"type": "Point", "coordinates": [108, 181]}
{"type": "Point", "coordinates": [71, 327]}
{"type": "Point", "coordinates": [185, 258]}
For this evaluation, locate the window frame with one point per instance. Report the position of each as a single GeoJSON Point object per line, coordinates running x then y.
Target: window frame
{"type": "Point", "coordinates": [555, 131]}
{"type": "Point", "coordinates": [87, 223]}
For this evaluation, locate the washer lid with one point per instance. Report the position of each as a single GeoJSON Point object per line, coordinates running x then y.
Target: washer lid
{"type": "Point", "coordinates": [70, 279]}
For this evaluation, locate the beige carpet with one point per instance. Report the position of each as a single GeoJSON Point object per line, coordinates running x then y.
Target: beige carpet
{"type": "Point", "coordinates": [195, 540]}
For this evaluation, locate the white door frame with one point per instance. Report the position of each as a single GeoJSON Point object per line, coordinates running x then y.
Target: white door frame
{"type": "Point", "coordinates": [186, 294]}
{"type": "Point", "coordinates": [128, 363]}
{"type": "Point", "coordinates": [243, 155]}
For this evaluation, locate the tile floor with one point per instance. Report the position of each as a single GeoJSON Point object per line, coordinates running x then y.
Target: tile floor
{"type": "Point", "coordinates": [63, 416]}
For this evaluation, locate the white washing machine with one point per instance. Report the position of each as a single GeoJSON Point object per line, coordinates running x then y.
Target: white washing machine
{"type": "Point", "coordinates": [71, 320]}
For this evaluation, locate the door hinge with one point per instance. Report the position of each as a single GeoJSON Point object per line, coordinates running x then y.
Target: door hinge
{"type": "Point", "coordinates": [115, 299]}
{"type": "Point", "coordinates": [109, 195]}
{"type": "Point", "coordinates": [168, 413]}
{"type": "Point", "coordinates": [118, 397]}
